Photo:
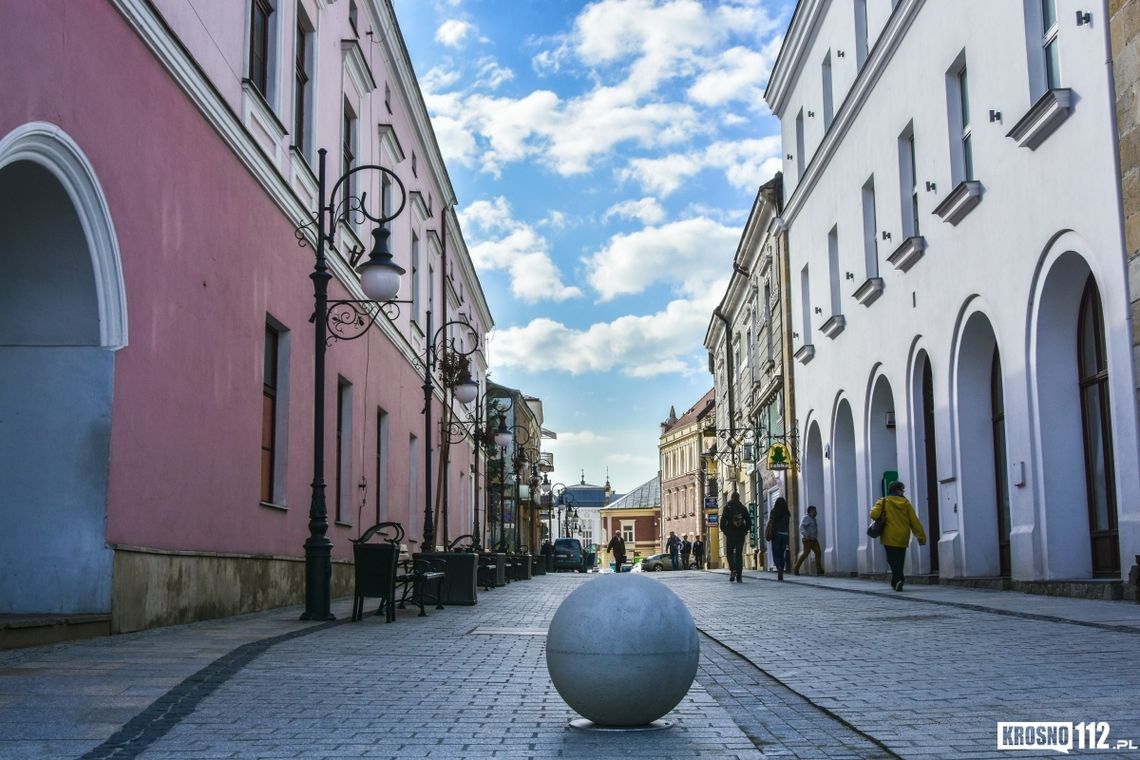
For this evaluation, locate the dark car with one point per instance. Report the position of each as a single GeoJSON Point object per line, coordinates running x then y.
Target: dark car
{"type": "Point", "coordinates": [568, 555]}
{"type": "Point", "coordinates": [655, 562]}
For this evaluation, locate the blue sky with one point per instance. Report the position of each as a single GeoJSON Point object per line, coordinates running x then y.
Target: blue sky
{"type": "Point", "coordinates": [605, 156]}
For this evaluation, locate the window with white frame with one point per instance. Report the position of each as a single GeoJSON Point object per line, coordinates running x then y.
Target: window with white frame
{"type": "Point", "coordinates": [908, 183]}
{"type": "Point", "coordinates": [627, 532]}
{"type": "Point", "coordinates": [768, 322]}
{"type": "Point", "coordinates": [342, 492]}
{"type": "Point", "coordinates": [274, 413]}
{"type": "Point", "coordinates": [348, 156]}
{"type": "Point", "coordinates": [833, 269]}
{"type": "Point", "coordinates": [870, 241]}
{"type": "Point", "coordinates": [805, 303]}
{"type": "Point", "coordinates": [800, 160]}
{"type": "Point", "coordinates": [961, 134]}
{"type": "Point", "coordinates": [262, 46]}
{"type": "Point", "coordinates": [828, 93]}
{"type": "Point", "coordinates": [303, 84]}
{"type": "Point", "coordinates": [1050, 49]}
{"type": "Point", "coordinates": [862, 46]}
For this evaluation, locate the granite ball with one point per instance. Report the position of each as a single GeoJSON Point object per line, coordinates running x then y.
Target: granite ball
{"type": "Point", "coordinates": [622, 650]}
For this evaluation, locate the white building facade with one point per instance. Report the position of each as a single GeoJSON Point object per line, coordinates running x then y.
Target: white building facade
{"type": "Point", "coordinates": [959, 294]}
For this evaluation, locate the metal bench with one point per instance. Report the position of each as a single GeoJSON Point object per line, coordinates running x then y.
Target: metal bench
{"type": "Point", "coordinates": [413, 578]}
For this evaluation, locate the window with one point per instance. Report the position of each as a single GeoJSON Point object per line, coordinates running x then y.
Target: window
{"type": "Point", "coordinates": [627, 532]}
{"type": "Point", "coordinates": [348, 156]}
{"type": "Point", "coordinates": [833, 269]}
{"type": "Point", "coordinates": [353, 17]}
{"type": "Point", "coordinates": [828, 95]}
{"type": "Point", "coordinates": [269, 415]}
{"type": "Point", "coordinates": [861, 33]}
{"type": "Point", "coordinates": [415, 277]}
{"type": "Point", "coordinates": [768, 321]}
{"type": "Point", "coordinates": [381, 464]}
{"type": "Point", "coordinates": [1096, 419]}
{"type": "Point", "coordinates": [302, 84]}
{"type": "Point", "coordinates": [805, 302]}
{"type": "Point", "coordinates": [388, 97]}
{"type": "Point", "coordinates": [870, 241]}
{"type": "Point", "coordinates": [967, 135]}
{"type": "Point", "coordinates": [414, 172]}
{"type": "Point", "coordinates": [1049, 46]}
{"type": "Point", "coordinates": [908, 184]}
{"type": "Point", "coordinates": [260, 42]}
{"type": "Point", "coordinates": [800, 162]}
{"type": "Point", "coordinates": [385, 195]}
{"type": "Point", "coordinates": [342, 488]}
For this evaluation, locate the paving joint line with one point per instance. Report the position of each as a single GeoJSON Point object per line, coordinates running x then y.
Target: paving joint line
{"type": "Point", "coordinates": [166, 712]}
{"type": "Point", "coordinates": [830, 713]}
{"type": "Point", "coordinates": [968, 606]}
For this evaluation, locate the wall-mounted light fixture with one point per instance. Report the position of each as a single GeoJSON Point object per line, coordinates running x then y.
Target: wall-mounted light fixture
{"type": "Point", "coordinates": [890, 419]}
{"type": "Point", "coordinates": [886, 235]}
{"type": "Point", "coordinates": [930, 186]}
{"type": "Point", "coordinates": [840, 54]}
{"type": "Point", "coordinates": [850, 275]}
{"type": "Point", "coordinates": [811, 114]}
{"type": "Point", "coordinates": [1083, 17]}
{"type": "Point", "coordinates": [788, 156]}
{"type": "Point", "coordinates": [995, 115]}
{"type": "Point", "coordinates": [818, 310]}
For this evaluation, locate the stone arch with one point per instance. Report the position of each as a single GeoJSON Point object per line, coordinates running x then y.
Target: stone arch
{"type": "Point", "coordinates": [846, 506]}
{"type": "Point", "coordinates": [62, 317]}
{"type": "Point", "coordinates": [814, 489]}
{"type": "Point", "coordinates": [1059, 477]}
{"type": "Point", "coordinates": [983, 488]}
{"type": "Point", "coordinates": [882, 451]}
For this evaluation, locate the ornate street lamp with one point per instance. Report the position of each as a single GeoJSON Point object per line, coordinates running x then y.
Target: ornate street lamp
{"type": "Point", "coordinates": [483, 436]}
{"type": "Point", "coordinates": [343, 319]}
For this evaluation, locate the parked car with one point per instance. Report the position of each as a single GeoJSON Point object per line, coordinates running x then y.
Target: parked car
{"type": "Point", "coordinates": [656, 562]}
{"type": "Point", "coordinates": [568, 555]}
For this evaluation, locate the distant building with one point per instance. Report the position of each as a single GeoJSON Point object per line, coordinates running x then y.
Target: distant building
{"type": "Point", "coordinates": [683, 484]}
{"type": "Point", "coordinates": [637, 517]}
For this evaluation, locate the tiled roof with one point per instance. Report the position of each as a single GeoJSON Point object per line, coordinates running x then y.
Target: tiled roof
{"type": "Point", "coordinates": [695, 412]}
{"type": "Point", "coordinates": [645, 496]}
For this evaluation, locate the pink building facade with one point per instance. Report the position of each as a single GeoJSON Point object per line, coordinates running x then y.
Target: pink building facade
{"type": "Point", "coordinates": [156, 349]}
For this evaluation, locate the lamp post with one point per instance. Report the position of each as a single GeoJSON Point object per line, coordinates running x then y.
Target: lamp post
{"type": "Point", "coordinates": [482, 435]}
{"type": "Point", "coordinates": [465, 390]}
{"type": "Point", "coordinates": [521, 438]}
{"type": "Point", "coordinates": [343, 319]}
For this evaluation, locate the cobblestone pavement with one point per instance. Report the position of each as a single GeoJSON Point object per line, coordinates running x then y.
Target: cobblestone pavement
{"type": "Point", "coordinates": [810, 668]}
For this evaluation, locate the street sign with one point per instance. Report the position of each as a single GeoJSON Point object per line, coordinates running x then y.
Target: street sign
{"type": "Point", "coordinates": [711, 520]}
{"type": "Point", "coordinates": [710, 502]}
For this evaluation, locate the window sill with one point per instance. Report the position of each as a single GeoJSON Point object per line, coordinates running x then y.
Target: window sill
{"type": "Point", "coordinates": [805, 353]}
{"type": "Point", "coordinates": [1042, 118]}
{"type": "Point", "coordinates": [869, 291]}
{"type": "Point", "coordinates": [834, 326]}
{"type": "Point", "coordinates": [907, 254]}
{"type": "Point", "coordinates": [342, 523]}
{"type": "Point", "coordinates": [260, 119]}
{"type": "Point", "coordinates": [960, 201]}
{"type": "Point", "coordinates": [271, 505]}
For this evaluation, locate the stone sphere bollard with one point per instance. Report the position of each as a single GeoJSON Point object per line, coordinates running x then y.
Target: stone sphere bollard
{"type": "Point", "coordinates": [622, 650]}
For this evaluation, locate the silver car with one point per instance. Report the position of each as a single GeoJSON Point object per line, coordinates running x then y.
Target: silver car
{"type": "Point", "coordinates": [655, 562]}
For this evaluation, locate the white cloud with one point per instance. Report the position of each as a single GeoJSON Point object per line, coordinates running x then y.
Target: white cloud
{"type": "Point", "coordinates": [502, 242]}
{"type": "Point", "coordinates": [492, 75]}
{"type": "Point", "coordinates": [556, 220]}
{"type": "Point", "coordinates": [579, 438]}
{"type": "Point", "coordinates": [667, 342]}
{"type": "Point", "coordinates": [647, 210]}
{"type": "Point", "coordinates": [747, 164]}
{"type": "Point", "coordinates": [453, 32]}
{"type": "Point", "coordinates": [631, 49]}
{"type": "Point", "coordinates": [690, 253]}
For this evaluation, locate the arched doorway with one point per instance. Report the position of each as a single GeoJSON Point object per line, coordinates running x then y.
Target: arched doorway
{"type": "Point", "coordinates": [845, 488]}
{"type": "Point", "coordinates": [62, 316]}
{"type": "Point", "coordinates": [925, 489]}
{"type": "Point", "coordinates": [883, 462]}
{"type": "Point", "coordinates": [814, 491]}
{"type": "Point", "coordinates": [981, 448]}
{"type": "Point", "coordinates": [1096, 423]}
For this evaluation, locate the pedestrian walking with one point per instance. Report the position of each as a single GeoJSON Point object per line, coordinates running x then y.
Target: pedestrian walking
{"type": "Point", "coordinates": [616, 547]}
{"type": "Point", "coordinates": [735, 523]}
{"type": "Point", "coordinates": [673, 546]}
{"type": "Point", "coordinates": [686, 551]}
{"type": "Point", "coordinates": [779, 534]}
{"type": "Point", "coordinates": [901, 520]}
{"type": "Point", "coordinates": [809, 537]}
{"type": "Point", "coordinates": [699, 552]}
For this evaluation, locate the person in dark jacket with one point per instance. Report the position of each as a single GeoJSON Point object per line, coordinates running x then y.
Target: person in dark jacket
{"type": "Point", "coordinates": [673, 546]}
{"type": "Point", "coordinates": [699, 552]}
{"type": "Point", "coordinates": [735, 523]}
{"type": "Point", "coordinates": [686, 551]}
{"type": "Point", "coordinates": [778, 520]}
{"type": "Point", "coordinates": [616, 547]}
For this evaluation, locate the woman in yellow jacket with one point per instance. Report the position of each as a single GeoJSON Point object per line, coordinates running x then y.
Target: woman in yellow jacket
{"type": "Point", "coordinates": [901, 520]}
